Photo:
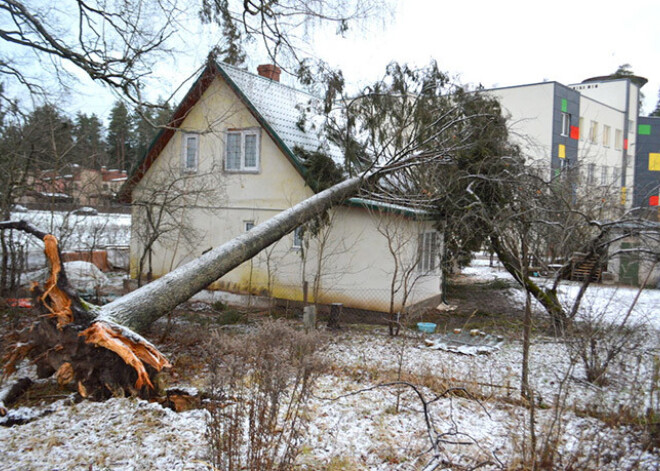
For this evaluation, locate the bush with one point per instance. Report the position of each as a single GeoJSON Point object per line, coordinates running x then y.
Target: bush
{"type": "Point", "coordinates": [260, 386]}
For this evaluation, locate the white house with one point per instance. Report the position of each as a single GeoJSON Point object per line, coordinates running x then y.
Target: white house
{"type": "Point", "coordinates": [227, 162]}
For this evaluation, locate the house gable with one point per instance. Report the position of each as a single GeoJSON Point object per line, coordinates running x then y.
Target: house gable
{"type": "Point", "coordinates": [286, 136]}
{"type": "Point", "coordinates": [277, 183]}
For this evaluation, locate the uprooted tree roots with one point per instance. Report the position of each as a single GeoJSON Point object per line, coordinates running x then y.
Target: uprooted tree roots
{"type": "Point", "coordinates": [98, 358]}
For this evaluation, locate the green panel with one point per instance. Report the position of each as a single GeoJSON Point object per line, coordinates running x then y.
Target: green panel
{"type": "Point", "coordinates": [564, 105]}
{"type": "Point", "coordinates": [644, 129]}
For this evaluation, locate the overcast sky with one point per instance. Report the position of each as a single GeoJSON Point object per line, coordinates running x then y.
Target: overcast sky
{"type": "Point", "coordinates": [509, 42]}
{"type": "Point", "coordinates": [512, 42]}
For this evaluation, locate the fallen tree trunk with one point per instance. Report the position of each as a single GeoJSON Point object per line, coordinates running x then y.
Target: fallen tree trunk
{"type": "Point", "coordinates": [97, 349]}
{"type": "Point", "coordinates": [140, 308]}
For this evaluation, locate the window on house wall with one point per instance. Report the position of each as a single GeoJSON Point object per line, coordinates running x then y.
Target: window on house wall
{"type": "Point", "coordinates": [428, 251]}
{"type": "Point", "coordinates": [190, 152]}
{"type": "Point", "coordinates": [616, 176]}
{"type": "Point", "coordinates": [631, 126]}
{"type": "Point", "coordinates": [593, 131]}
{"type": "Point", "coordinates": [618, 139]}
{"type": "Point", "coordinates": [249, 225]}
{"type": "Point", "coordinates": [242, 150]}
{"type": "Point", "coordinates": [604, 173]}
{"type": "Point", "coordinates": [297, 238]}
{"type": "Point", "coordinates": [606, 136]}
{"type": "Point", "coordinates": [565, 124]}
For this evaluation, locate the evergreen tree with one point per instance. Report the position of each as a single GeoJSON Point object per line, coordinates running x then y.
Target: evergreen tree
{"type": "Point", "coordinates": [90, 147]}
{"type": "Point", "coordinates": [120, 137]}
{"type": "Point", "coordinates": [48, 138]}
{"type": "Point", "coordinates": [147, 123]}
{"type": "Point", "coordinates": [656, 112]}
{"type": "Point", "coordinates": [231, 50]}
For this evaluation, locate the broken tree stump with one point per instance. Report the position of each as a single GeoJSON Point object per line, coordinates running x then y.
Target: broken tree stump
{"type": "Point", "coordinates": [98, 358]}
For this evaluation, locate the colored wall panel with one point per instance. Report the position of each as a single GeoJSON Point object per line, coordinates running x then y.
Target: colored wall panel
{"type": "Point", "coordinates": [562, 152]}
{"type": "Point", "coordinates": [564, 105]}
{"type": "Point", "coordinates": [624, 192]}
{"type": "Point", "coordinates": [654, 201]}
{"type": "Point", "coordinates": [575, 132]}
{"type": "Point", "coordinates": [625, 144]}
{"type": "Point", "coordinates": [654, 162]}
{"type": "Point", "coordinates": [647, 169]}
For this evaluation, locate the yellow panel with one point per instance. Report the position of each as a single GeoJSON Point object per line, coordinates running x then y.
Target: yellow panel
{"type": "Point", "coordinates": [654, 162]}
{"type": "Point", "coordinates": [623, 195]}
{"type": "Point", "coordinates": [562, 151]}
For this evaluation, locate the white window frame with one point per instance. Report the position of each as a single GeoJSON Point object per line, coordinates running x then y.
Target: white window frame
{"type": "Point", "coordinates": [297, 238]}
{"type": "Point", "coordinates": [428, 252]}
{"type": "Point", "coordinates": [565, 124]}
{"type": "Point", "coordinates": [606, 136]}
{"type": "Point", "coordinates": [243, 168]}
{"type": "Point", "coordinates": [593, 132]}
{"type": "Point", "coordinates": [618, 139]}
{"type": "Point", "coordinates": [184, 153]}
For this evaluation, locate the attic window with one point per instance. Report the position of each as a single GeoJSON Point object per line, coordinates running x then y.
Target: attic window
{"type": "Point", "coordinates": [242, 150]}
{"type": "Point", "coordinates": [190, 152]}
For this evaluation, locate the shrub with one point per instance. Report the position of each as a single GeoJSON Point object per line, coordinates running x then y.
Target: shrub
{"type": "Point", "coordinates": [260, 384]}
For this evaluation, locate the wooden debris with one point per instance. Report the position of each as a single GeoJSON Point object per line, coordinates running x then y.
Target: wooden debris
{"type": "Point", "coordinates": [133, 353]}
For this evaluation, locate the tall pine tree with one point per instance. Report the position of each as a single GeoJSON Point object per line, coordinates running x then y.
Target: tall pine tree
{"type": "Point", "coordinates": [120, 142]}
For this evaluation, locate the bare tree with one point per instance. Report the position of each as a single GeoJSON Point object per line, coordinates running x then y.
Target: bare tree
{"type": "Point", "coordinates": [161, 211]}
{"type": "Point", "coordinates": [113, 43]}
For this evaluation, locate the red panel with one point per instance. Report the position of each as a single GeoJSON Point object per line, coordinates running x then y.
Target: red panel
{"type": "Point", "coordinates": [625, 144]}
{"type": "Point", "coordinates": [575, 132]}
{"type": "Point", "coordinates": [653, 201]}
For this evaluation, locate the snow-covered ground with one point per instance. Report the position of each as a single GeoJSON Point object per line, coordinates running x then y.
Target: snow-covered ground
{"type": "Point", "coordinates": [364, 431]}
{"type": "Point", "coordinates": [601, 302]}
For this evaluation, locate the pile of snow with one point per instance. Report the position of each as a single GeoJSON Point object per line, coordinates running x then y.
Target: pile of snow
{"type": "Point", "coordinates": [85, 277]}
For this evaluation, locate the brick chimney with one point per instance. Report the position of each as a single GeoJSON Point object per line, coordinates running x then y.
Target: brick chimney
{"type": "Point", "coordinates": [270, 71]}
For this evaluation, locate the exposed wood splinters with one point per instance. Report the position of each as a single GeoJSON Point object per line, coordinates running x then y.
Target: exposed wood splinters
{"type": "Point", "coordinates": [60, 303]}
{"type": "Point", "coordinates": [132, 352]}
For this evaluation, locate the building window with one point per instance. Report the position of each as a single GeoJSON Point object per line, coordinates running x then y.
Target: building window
{"type": "Point", "coordinates": [297, 238]}
{"type": "Point", "coordinates": [593, 131]}
{"type": "Point", "coordinates": [618, 139]}
{"type": "Point", "coordinates": [190, 152]}
{"type": "Point", "coordinates": [242, 150]}
{"type": "Point", "coordinates": [616, 175]}
{"type": "Point", "coordinates": [591, 174]}
{"type": "Point", "coordinates": [428, 251]}
{"type": "Point", "coordinates": [606, 136]}
{"type": "Point", "coordinates": [249, 225]}
{"type": "Point", "coordinates": [604, 173]}
{"type": "Point", "coordinates": [565, 124]}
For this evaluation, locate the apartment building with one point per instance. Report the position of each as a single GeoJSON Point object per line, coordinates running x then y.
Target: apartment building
{"type": "Point", "coordinates": [588, 127]}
